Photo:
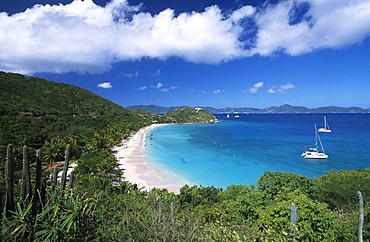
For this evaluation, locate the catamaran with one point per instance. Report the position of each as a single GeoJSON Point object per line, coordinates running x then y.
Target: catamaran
{"type": "Point", "coordinates": [326, 128]}
{"type": "Point", "coordinates": [313, 152]}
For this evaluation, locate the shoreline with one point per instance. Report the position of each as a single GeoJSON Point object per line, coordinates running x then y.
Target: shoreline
{"type": "Point", "coordinates": [139, 169]}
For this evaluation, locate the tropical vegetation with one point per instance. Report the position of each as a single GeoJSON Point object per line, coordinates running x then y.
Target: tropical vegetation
{"type": "Point", "coordinates": [96, 205]}
{"type": "Point", "coordinates": [190, 115]}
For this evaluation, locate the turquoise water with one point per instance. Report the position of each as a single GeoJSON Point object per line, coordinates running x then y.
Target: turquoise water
{"type": "Point", "coordinates": [238, 151]}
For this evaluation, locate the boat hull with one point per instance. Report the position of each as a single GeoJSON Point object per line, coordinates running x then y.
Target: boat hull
{"type": "Point", "coordinates": [314, 155]}
{"type": "Point", "coordinates": [323, 130]}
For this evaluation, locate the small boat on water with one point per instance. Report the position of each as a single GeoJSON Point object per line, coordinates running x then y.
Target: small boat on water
{"type": "Point", "coordinates": [326, 128]}
{"type": "Point", "coordinates": [314, 152]}
{"type": "Point", "coordinates": [236, 116]}
{"type": "Point", "coordinates": [228, 116]}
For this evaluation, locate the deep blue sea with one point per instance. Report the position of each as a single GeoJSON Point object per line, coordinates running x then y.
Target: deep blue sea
{"type": "Point", "coordinates": [239, 150]}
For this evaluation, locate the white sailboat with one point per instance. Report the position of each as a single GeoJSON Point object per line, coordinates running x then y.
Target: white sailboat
{"type": "Point", "coordinates": [326, 128]}
{"type": "Point", "coordinates": [227, 116]}
{"type": "Point", "coordinates": [313, 152]}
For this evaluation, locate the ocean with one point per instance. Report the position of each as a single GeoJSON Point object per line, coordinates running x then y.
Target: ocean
{"type": "Point", "coordinates": [240, 150]}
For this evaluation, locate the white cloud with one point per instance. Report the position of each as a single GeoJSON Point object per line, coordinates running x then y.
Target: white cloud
{"type": "Point", "coordinates": [105, 85]}
{"type": "Point", "coordinates": [287, 86]}
{"type": "Point", "coordinates": [327, 24]}
{"type": "Point", "coordinates": [255, 87]}
{"type": "Point", "coordinates": [141, 88]}
{"type": "Point", "coordinates": [158, 85]}
{"type": "Point", "coordinates": [271, 90]}
{"type": "Point", "coordinates": [218, 91]}
{"type": "Point", "coordinates": [167, 89]}
{"type": "Point", "coordinates": [281, 89]}
{"type": "Point", "coordinates": [161, 88]}
{"type": "Point", "coordinates": [243, 12]}
{"type": "Point", "coordinates": [84, 37]}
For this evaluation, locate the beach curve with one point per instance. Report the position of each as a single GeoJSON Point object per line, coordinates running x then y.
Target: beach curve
{"type": "Point", "coordinates": [139, 169]}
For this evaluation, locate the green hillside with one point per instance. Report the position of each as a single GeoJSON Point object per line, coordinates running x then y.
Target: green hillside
{"type": "Point", "coordinates": [190, 115]}
{"type": "Point", "coordinates": [33, 110]}
{"type": "Point", "coordinates": [98, 206]}
{"type": "Point", "coordinates": [144, 113]}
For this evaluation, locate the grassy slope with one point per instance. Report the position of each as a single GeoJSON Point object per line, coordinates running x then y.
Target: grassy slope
{"type": "Point", "coordinates": [33, 110]}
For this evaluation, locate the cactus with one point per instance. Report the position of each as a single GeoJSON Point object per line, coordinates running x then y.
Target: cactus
{"type": "Point", "coordinates": [65, 168]}
{"type": "Point", "coordinates": [71, 175]}
{"type": "Point", "coordinates": [36, 196]}
{"type": "Point", "coordinates": [26, 192]}
{"type": "Point", "coordinates": [43, 193]}
{"type": "Point", "coordinates": [1, 204]}
{"type": "Point", "coordinates": [361, 216]}
{"type": "Point", "coordinates": [55, 179]}
{"type": "Point", "coordinates": [9, 179]}
{"type": "Point", "coordinates": [35, 201]}
{"type": "Point", "coordinates": [293, 219]}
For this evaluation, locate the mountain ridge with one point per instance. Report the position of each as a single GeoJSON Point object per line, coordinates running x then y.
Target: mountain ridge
{"type": "Point", "coordinates": [286, 108]}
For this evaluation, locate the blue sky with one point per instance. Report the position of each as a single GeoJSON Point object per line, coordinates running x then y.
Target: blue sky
{"type": "Point", "coordinates": [223, 53]}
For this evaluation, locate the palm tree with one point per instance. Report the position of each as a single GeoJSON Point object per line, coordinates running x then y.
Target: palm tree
{"type": "Point", "coordinates": [54, 150]}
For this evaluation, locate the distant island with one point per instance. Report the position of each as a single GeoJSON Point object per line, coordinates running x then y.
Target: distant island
{"type": "Point", "coordinates": [286, 108]}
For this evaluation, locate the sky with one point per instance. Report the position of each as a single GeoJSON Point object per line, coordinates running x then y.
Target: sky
{"type": "Point", "coordinates": [218, 53]}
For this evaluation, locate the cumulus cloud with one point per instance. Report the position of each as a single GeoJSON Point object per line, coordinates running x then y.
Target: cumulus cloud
{"type": "Point", "coordinates": [84, 37]}
{"type": "Point", "coordinates": [105, 85]}
{"type": "Point", "coordinates": [242, 13]}
{"type": "Point", "coordinates": [255, 87]}
{"type": "Point", "coordinates": [323, 24]}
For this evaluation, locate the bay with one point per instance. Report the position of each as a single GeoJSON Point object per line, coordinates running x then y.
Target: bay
{"type": "Point", "coordinates": [240, 150]}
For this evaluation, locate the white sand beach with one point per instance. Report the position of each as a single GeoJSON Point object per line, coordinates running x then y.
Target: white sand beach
{"type": "Point", "coordinates": [139, 169]}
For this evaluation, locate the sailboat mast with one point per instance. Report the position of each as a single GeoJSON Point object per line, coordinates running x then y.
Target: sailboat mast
{"type": "Point", "coordinates": [322, 147]}
{"type": "Point", "coordinates": [317, 138]}
{"type": "Point", "coordinates": [316, 135]}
